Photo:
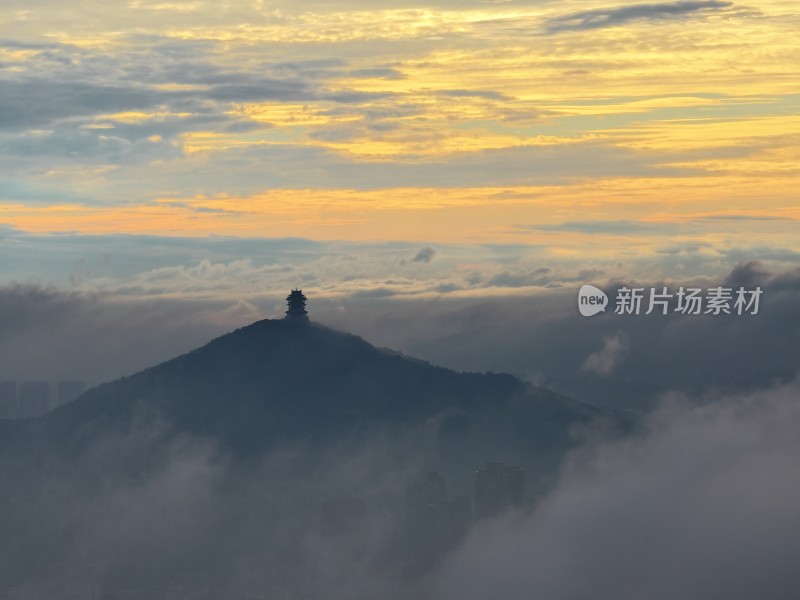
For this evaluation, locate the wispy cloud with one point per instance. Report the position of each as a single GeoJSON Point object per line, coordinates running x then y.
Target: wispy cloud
{"type": "Point", "coordinates": [611, 17]}
{"type": "Point", "coordinates": [425, 255]}
{"type": "Point", "coordinates": [605, 360]}
{"type": "Point", "coordinates": [602, 227]}
{"type": "Point", "coordinates": [330, 105]}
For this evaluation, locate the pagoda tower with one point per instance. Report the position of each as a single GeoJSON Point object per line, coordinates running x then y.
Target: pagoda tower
{"type": "Point", "coordinates": [297, 306]}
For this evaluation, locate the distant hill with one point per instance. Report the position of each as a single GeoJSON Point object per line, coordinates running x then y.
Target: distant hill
{"type": "Point", "coordinates": [238, 452]}
{"type": "Point", "coordinates": [278, 381]}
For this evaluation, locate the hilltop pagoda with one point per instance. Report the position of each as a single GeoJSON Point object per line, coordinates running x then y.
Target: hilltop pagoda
{"type": "Point", "coordinates": [296, 302]}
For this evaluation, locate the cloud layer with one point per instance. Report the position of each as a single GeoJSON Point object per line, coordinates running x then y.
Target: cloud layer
{"type": "Point", "coordinates": [107, 112]}
{"type": "Point", "coordinates": [501, 308]}
{"type": "Point", "coordinates": [701, 505]}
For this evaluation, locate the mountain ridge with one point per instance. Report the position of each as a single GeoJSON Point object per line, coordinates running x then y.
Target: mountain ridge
{"type": "Point", "coordinates": [278, 382]}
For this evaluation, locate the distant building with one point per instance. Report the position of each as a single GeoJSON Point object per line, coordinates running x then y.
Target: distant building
{"type": "Point", "coordinates": [34, 398]}
{"type": "Point", "coordinates": [8, 399]}
{"type": "Point", "coordinates": [296, 302]}
{"type": "Point", "coordinates": [69, 391]}
{"type": "Point", "coordinates": [498, 488]}
{"type": "Point", "coordinates": [434, 523]}
{"type": "Point", "coordinates": [424, 489]}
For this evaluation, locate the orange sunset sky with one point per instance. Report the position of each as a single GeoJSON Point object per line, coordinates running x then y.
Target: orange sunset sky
{"type": "Point", "coordinates": [590, 130]}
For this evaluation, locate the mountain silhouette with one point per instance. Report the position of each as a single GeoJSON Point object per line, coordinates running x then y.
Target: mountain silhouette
{"type": "Point", "coordinates": [282, 381]}
{"type": "Point", "coordinates": [276, 451]}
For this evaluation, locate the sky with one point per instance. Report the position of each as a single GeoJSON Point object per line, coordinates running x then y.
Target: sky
{"type": "Point", "coordinates": [380, 155]}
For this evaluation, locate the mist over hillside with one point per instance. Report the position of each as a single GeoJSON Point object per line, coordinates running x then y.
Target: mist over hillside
{"type": "Point", "coordinates": [534, 333]}
{"type": "Point", "coordinates": [281, 449]}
